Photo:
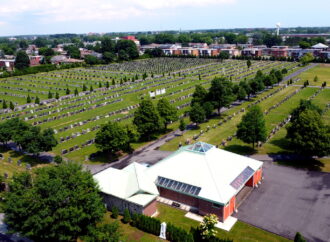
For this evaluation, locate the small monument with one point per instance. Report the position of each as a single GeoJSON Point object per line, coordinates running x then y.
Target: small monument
{"type": "Point", "coordinates": [162, 230]}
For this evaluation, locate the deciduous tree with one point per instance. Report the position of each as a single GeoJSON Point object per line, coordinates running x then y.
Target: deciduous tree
{"type": "Point", "coordinates": [167, 112]}
{"type": "Point", "coordinates": [308, 135]}
{"type": "Point", "coordinates": [220, 93]}
{"type": "Point", "coordinates": [112, 137]}
{"type": "Point", "coordinates": [60, 203]}
{"type": "Point", "coordinates": [147, 120]}
{"type": "Point", "coordinates": [252, 127]}
{"type": "Point", "coordinates": [197, 113]}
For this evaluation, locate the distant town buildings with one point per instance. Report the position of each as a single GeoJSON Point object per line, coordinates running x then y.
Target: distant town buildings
{"type": "Point", "coordinates": [203, 49]}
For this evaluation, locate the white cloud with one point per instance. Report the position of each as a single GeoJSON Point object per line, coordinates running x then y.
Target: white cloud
{"type": "Point", "coordinates": [75, 10]}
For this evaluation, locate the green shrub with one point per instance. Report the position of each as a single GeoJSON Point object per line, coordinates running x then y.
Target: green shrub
{"type": "Point", "coordinates": [299, 238]}
{"type": "Point", "coordinates": [127, 216]}
{"type": "Point", "coordinates": [114, 212]}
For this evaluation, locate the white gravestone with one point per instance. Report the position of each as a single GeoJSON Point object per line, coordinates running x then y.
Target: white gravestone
{"type": "Point", "coordinates": [162, 230]}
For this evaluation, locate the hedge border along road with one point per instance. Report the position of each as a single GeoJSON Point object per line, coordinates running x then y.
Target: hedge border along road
{"type": "Point", "coordinates": [79, 117]}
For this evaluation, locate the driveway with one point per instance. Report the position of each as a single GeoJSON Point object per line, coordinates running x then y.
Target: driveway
{"type": "Point", "coordinates": [148, 154]}
{"type": "Point", "coordinates": [290, 201]}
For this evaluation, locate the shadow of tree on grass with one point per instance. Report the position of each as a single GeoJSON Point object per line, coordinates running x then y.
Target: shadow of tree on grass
{"type": "Point", "coordinates": [241, 149]}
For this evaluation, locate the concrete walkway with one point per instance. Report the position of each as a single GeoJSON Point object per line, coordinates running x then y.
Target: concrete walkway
{"type": "Point", "coordinates": [227, 225]}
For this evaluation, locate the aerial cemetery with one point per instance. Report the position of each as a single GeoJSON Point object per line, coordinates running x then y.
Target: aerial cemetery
{"type": "Point", "coordinates": [76, 102]}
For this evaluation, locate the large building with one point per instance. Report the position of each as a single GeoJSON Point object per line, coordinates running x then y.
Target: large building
{"type": "Point", "coordinates": [207, 179]}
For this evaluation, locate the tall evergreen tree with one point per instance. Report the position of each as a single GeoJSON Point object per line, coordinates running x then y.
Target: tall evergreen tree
{"type": "Point", "coordinates": [28, 99]}
{"type": "Point", "coordinates": [11, 105]}
{"type": "Point", "coordinates": [4, 104]}
{"type": "Point", "coordinates": [37, 100]}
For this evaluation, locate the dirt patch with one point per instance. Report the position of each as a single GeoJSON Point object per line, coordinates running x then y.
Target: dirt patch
{"type": "Point", "coordinates": [324, 65]}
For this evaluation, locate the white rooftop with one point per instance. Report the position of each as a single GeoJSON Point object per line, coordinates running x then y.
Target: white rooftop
{"type": "Point", "coordinates": [199, 170]}
{"type": "Point", "coordinates": [320, 46]}
{"type": "Point", "coordinates": [218, 173]}
{"type": "Point", "coordinates": [130, 184]}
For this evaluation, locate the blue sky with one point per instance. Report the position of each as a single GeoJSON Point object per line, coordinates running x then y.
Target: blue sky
{"type": "Point", "coordinates": [19, 17]}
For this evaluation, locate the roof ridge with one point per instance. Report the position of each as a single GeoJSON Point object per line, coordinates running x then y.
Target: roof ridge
{"type": "Point", "coordinates": [137, 177]}
{"type": "Point", "coordinates": [212, 177]}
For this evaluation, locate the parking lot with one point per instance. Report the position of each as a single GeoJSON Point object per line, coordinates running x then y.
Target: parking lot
{"type": "Point", "coordinates": [290, 201]}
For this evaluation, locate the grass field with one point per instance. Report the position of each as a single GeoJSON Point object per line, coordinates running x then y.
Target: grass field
{"type": "Point", "coordinates": [76, 119]}
{"type": "Point", "coordinates": [241, 232]}
{"type": "Point", "coordinates": [130, 233]}
{"type": "Point", "coordinates": [322, 71]}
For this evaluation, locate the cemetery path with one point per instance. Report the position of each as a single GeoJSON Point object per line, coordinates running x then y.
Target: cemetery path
{"type": "Point", "coordinates": [296, 73]}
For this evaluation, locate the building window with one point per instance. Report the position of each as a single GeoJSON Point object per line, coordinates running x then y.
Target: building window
{"type": "Point", "coordinates": [215, 205]}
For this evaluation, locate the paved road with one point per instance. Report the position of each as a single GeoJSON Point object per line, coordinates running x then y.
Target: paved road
{"type": "Point", "coordinates": [148, 154]}
{"type": "Point", "coordinates": [290, 201]}
{"type": "Point", "coordinates": [294, 74]}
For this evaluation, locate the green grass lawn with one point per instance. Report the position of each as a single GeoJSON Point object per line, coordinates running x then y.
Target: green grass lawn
{"type": "Point", "coordinates": [240, 232]}
{"type": "Point", "coordinates": [130, 233]}
{"type": "Point", "coordinates": [322, 71]}
{"type": "Point", "coordinates": [12, 167]}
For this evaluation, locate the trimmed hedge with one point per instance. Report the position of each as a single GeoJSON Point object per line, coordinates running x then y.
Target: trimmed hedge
{"type": "Point", "coordinates": [173, 233]}
{"type": "Point", "coordinates": [146, 223]}
{"type": "Point", "coordinates": [176, 234]}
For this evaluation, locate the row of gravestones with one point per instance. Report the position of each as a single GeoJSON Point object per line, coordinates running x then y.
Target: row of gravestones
{"type": "Point", "coordinates": [282, 101]}
{"type": "Point", "coordinates": [229, 138]}
{"type": "Point", "coordinates": [65, 97]}
{"type": "Point", "coordinates": [62, 109]}
{"type": "Point", "coordinates": [81, 123]}
{"type": "Point", "coordinates": [316, 93]}
{"type": "Point", "coordinates": [23, 89]}
{"type": "Point", "coordinates": [287, 120]}
{"type": "Point", "coordinates": [62, 139]}
{"type": "Point", "coordinates": [151, 65]}
{"type": "Point", "coordinates": [62, 103]}
{"type": "Point", "coordinates": [89, 142]}
{"type": "Point", "coordinates": [120, 111]}
{"type": "Point", "coordinates": [77, 134]}
{"type": "Point", "coordinates": [64, 115]}
{"type": "Point", "coordinates": [41, 84]}
{"type": "Point", "coordinates": [233, 71]}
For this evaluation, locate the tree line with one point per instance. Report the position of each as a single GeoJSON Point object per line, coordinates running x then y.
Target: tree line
{"type": "Point", "coordinates": [27, 137]}
{"type": "Point", "coordinates": [223, 92]}
{"type": "Point", "coordinates": [149, 121]}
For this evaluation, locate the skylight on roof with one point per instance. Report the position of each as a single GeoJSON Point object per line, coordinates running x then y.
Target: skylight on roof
{"type": "Point", "coordinates": [200, 147]}
{"type": "Point", "coordinates": [242, 178]}
{"type": "Point", "coordinates": [178, 186]}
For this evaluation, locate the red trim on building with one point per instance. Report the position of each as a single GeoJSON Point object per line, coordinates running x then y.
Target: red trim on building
{"type": "Point", "coordinates": [150, 209]}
